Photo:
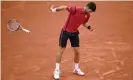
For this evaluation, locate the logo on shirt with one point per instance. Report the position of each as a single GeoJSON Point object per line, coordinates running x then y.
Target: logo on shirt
{"type": "Point", "coordinates": [85, 16]}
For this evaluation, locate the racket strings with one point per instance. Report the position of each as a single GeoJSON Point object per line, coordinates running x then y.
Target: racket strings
{"type": "Point", "coordinates": [13, 25]}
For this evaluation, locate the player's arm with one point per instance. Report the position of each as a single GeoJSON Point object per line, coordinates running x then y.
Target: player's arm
{"type": "Point", "coordinates": [88, 26]}
{"type": "Point", "coordinates": [60, 8]}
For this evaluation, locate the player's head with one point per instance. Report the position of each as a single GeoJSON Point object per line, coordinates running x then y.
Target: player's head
{"type": "Point", "coordinates": [91, 7]}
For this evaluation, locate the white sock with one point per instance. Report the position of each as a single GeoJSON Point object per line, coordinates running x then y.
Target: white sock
{"type": "Point", "coordinates": [57, 66]}
{"type": "Point", "coordinates": [76, 65]}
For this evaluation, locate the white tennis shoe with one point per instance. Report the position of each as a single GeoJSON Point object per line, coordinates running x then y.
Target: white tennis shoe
{"type": "Point", "coordinates": [56, 74]}
{"type": "Point", "coordinates": [78, 72]}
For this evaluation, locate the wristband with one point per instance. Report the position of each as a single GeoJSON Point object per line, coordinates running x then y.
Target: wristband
{"type": "Point", "coordinates": [89, 27]}
{"type": "Point", "coordinates": [53, 10]}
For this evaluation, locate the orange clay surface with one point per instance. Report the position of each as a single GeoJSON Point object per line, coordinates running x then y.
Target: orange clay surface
{"type": "Point", "coordinates": [106, 53]}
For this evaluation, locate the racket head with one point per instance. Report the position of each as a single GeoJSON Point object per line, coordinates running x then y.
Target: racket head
{"type": "Point", "coordinates": [13, 25]}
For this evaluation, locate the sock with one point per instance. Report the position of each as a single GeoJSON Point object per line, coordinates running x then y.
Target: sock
{"type": "Point", "coordinates": [76, 65]}
{"type": "Point", "coordinates": [57, 66]}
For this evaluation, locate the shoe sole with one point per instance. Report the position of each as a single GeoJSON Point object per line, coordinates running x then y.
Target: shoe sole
{"type": "Point", "coordinates": [77, 74]}
{"type": "Point", "coordinates": [56, 79]}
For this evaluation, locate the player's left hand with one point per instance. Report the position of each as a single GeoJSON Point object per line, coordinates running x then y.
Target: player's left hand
{"type": "Point", "coordinates": [91, 29]}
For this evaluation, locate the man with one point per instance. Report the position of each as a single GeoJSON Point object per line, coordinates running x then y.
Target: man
{"type": "Point", "coordinates": [77, 16]}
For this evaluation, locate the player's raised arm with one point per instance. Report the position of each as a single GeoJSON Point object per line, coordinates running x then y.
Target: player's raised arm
{"type": "Point", "coordinates": [60, 8]}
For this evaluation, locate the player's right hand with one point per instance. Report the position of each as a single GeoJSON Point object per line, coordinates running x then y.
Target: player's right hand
{"type": "Point", "coordinates": [53, 9]}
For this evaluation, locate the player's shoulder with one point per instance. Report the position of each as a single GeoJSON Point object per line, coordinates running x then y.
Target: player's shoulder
{"type": "Point", "coordinates": [73, 6]}
{"type": "Point", "coordinates": [78, 8]}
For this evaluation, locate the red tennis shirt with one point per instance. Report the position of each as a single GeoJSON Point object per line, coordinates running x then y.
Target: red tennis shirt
{"type": "Point", "coordinates": [77, 16]}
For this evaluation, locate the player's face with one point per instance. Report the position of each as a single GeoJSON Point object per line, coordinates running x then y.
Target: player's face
{"type": "Point", "coordinates": [88, 10]}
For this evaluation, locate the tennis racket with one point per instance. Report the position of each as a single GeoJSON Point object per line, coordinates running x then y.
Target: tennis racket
{"type": "Point", "coordinates": [14, 25]}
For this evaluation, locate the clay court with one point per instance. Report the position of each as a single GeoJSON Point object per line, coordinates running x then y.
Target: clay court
{"type": "Point", "coordinates": [106, 53]}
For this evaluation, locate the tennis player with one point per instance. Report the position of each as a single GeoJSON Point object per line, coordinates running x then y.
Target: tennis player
{"type": "Point", "coordinates": [77, 16]}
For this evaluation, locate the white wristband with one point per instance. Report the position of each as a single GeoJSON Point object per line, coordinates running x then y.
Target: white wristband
{"type": "Point", "coordinates": [53, 10]}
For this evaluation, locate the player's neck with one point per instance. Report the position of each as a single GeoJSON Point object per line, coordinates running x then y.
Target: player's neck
{"type": "Point", "coordinates": [84, 9]}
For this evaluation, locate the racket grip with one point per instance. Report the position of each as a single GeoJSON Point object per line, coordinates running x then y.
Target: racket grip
{"type": "Point", "coordinates": [26, 30]}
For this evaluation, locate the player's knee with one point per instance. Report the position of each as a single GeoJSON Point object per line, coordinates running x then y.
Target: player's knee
{"type": "Point", "coordinates": [76, 50]}
{"type": "Point", "coordinates": [62, 50]}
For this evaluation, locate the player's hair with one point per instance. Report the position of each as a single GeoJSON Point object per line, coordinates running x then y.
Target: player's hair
{"type": "Point", "coordinates": [92, 6]}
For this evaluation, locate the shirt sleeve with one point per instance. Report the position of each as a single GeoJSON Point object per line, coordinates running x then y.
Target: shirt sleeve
{"type": "Point", "coordinates": [71, 9]}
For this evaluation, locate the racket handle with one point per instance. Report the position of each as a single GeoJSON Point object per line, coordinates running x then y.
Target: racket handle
{"type": "Point", "coordinates": [26, 30]}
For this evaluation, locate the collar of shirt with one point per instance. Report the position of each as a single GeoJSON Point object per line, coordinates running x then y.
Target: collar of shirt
{"type": "Point", "coordinates": [84, 12]}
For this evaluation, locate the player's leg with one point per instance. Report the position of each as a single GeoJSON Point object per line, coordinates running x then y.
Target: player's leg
{"type": "Point", "coordinates": [62, 43]}
{"type": "Point", "coordinates": [76, 55]}
{"type": "Point", "coordinates": [58, 60]}
{"type": "Point", "coordinates": [75, 44]}
{"type": "Point", "coordinates": [58, 57]}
